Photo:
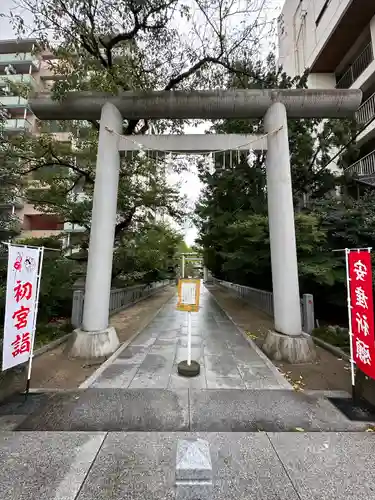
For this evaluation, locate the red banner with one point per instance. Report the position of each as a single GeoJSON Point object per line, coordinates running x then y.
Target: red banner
{"type": "Point", "coordinates": [362, 310]}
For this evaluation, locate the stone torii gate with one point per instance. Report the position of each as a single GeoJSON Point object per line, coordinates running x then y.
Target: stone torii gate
{"type": "Point", "coordinates": [287, 341]}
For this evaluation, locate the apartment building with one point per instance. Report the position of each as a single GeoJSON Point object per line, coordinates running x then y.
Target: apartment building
{"type": "Point", "coordinates": [21, 64]}
{"type": "Point", "coordinates": [335, 40]}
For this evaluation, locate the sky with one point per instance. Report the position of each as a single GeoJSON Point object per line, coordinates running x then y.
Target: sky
{"type": "Point", "coordinates": [190, 184]}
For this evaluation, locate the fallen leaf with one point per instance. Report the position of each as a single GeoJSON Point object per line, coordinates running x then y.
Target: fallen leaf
{"type": "Point", "coordinates": [299, 429]}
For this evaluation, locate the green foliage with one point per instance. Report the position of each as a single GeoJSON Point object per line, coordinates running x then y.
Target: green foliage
{"type": "Point", "coordinates": [149, 255]}
{"type": "Point", "coordinates": [232, 212]}
{"type": "Point", "coordinates": [58, 276]}
{"type": "Point", "coordinates": [335, 336]}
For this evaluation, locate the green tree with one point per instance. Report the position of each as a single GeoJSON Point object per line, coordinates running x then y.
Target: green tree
{"type": "Point", "coordinates": [232, 212]}
{"type": "Point", "coordinates": [118, 46]}
{"type": "Point", "coordinates": [147, 256]}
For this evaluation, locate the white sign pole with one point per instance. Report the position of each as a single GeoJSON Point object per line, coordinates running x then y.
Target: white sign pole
{"type": "Point", "coordinates": [183, 266]}
{"type": "Point", "coordinates": [352, 369]}
{"type": "Point", "coordinates": [39, 276]}
{"type": "Point", "coordinates": [189, 339]}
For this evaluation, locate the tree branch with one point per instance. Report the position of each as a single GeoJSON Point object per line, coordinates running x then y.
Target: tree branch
{"type": "Point", "coordinates": [125, 223]}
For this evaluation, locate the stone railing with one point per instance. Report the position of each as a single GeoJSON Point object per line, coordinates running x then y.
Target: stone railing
{"type": "Point", "coordinates": [120, 298]}
{"type": "Point", "coordinates": [258, 298]}
{"type": "Point", "coordinates": [263, 301]}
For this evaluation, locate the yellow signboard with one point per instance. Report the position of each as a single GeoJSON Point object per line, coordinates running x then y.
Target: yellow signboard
{"type": "Point", "coordinates": [188, 295]}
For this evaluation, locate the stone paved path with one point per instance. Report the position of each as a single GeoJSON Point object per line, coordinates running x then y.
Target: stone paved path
{"type": "Point", "coordinates": [227, 359]}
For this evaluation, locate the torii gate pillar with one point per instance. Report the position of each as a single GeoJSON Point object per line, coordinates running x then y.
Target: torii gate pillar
{"type": "Point", "coordinates": [96, 338]}
{"type": "Point", "coordinates": [287, 341]}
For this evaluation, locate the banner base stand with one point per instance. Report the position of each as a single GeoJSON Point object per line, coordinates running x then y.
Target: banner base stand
{"type": "Point", "coordinates": [186, 370]}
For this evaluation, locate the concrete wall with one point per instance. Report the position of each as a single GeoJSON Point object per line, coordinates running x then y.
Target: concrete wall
{"type": "Point", "coordinates": [300, 38]}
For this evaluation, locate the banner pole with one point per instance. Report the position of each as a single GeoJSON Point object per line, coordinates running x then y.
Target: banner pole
{"type": "Point", "coordinates": [189, 339]}
{"type": "Point", "coordinates": [348, 300]}
{"type": "Point", "coordinates": [40, 265]}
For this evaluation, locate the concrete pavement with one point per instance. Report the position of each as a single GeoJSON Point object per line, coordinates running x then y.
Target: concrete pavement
{"type": "Point", "coordinates": [140, 465]}
{"type": "Point", "coordinates": [228, 360]}
{"type": "Point", "coordinates": [116, 438]}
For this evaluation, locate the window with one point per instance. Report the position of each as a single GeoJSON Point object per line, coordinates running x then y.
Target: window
{"type": "Point", "coordinates": [322, 11]}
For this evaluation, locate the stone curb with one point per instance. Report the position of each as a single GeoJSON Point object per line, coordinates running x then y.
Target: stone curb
{"type": "Point", "coordinates": [331, 348]}
{"type": "Point", "coordinates": [280, 378]}
{"type": "Point", "coordinates": [115, 355]}
{"type": "Point", "coordinates": [51, 345]}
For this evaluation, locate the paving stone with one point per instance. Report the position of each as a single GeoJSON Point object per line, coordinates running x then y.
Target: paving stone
{"type": "Point", "coordinates": [258, 376]}
{"type": "Point", "coordinates": [221, 366]}
{"type": "Point", "coordinates": [18, 404]}
{"type": "Point", "coordinates": [176, 381]}
{"type": "Point", "coordinates": [45, 466]}
{"type": "Point", "coordinates": [196, 354]}
{"type": "Point", "coordinates": [269, 410]}
{"type": "Point", "coordinates": [133, 354]}
{"type": "Point", "coordinates": [225, 383]}
{"type": "Point", "coordinates": [156, 364]}
{"type": "Point", "coordinates": [148, 380]}
{"type": "Point", "coordinates": [116, 375]}
{"type": "Point", "coordinates": [139, 466]}
{"type": "Point", "coordinates": [196, 341]}
{"type": "Point", "coordinates": [111, 410]}
{"type": "Point", "coordinates": [10, 422]}
{"type": "Point", "coordinates": [333, 466]}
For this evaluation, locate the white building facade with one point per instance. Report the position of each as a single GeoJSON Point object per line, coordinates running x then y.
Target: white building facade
{"type": "Point", "coordinates": [335, 40]}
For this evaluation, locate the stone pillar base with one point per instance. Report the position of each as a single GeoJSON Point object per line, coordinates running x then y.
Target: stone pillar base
{"type": "Point", "coordinates": [91, 345]}
{"type": "Point", "coordinates": [280, 347]}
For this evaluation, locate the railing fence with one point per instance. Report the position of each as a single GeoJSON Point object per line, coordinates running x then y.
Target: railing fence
{"type": "Point", "coordinates": [364, 60]}
{"type": "Point", "coordinates": [119, 299]}
{"type": "Point", "coordinates": [263, 301]}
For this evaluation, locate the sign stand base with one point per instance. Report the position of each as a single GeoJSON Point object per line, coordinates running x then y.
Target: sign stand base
{"type": "Point", "coordinates": [186, 370]}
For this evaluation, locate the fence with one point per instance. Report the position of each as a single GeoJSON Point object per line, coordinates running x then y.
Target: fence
{"type": "Point", "coordinates": [119, 299]}
{"type": "Point", "coordinates": [263, 301]}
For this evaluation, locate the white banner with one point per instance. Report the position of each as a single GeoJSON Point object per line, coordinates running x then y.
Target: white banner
{"type": "Point", "coordinates": [21, 297]}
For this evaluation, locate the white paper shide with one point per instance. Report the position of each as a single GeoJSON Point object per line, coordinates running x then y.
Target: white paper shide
{"type": "Point", "coordinates": [20, 308]}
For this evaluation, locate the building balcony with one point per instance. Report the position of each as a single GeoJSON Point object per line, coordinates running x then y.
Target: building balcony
{"type": "Point", "coordinates": [17, 203]}
{"type": "Point", "coordinates": [17, 125]}
{"type": "Point", "coordinates": [73, 228]}
{"type": "Point", "coordinates": [38, 233]}
{"type": "Point", "coordinates": [364, 169]}
{"type": "Point", "coordinates": [18, 79]}
{"type": "Point", "coordinates": [366, 113]}
{"type": "Point", "coordinates": [365, 117]}
{"type": "Point", "coordinates": [358, 66]}
{"type": "Point", "coordinates": [11, 102]}
{"type": "Point", "coordinates": [24, 62]}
